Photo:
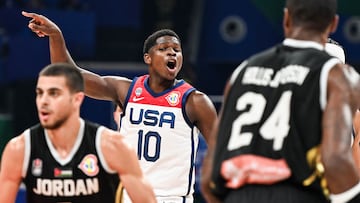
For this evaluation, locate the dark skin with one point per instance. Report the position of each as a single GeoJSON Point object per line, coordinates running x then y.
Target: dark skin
{"type": "Point", "coordinates": [199, 107]}
{"type": "Point", "coordinates": [343, 98]}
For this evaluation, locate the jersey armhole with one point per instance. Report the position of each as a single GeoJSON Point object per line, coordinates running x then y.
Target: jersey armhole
{"type": "Point", "coordinates": [324, 79]}
{"type": "Point", "coordinates": [236, 72]}
{"type": "Point", "coordinates": [26, 152]}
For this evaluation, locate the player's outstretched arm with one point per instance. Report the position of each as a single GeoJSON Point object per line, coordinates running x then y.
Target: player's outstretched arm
{"type": "Point", "coordinates": [43, 27]}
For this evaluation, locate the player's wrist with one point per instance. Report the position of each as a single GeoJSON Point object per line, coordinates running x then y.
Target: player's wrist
{"type": "Point", "coordinates": [350, 195]}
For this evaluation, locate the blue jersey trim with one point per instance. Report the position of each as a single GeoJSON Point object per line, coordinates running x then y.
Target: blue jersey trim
{"type": "Point", "coordinates": [192, 161]}
{"type": "Point", "coordinates": [183, 105]}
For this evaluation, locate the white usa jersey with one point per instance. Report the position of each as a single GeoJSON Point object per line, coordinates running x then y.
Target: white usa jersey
{"type": "Point", "coordinates": [164, 138]}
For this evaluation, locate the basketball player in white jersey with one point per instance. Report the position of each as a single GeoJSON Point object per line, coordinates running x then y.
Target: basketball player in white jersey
{"type": "Point", "coordinates": [161, 113]}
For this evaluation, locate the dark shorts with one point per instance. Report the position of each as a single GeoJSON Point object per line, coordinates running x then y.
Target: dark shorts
{"type": "Point", "coordinates": [278, 193]}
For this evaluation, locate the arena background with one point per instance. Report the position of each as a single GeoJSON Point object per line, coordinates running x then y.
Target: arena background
{"type": "Point", "coordinates": [107, 37]}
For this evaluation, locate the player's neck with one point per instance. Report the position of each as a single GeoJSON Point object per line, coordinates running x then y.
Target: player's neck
{"type": "Point", "coordinates": [301, 33]}
{"type": "Point", "coordinates": [161, 85]}
{"type": "Point", "coordinates": [64, 137]}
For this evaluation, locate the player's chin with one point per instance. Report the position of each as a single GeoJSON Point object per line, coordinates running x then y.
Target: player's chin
{"type": "Point", "coordinates": [172, 72]}
{"type": "Point", "coordinates": [49, 125]}
{"type": "Point", "coordinates": [46, 125]}
{"type": "Point", "coordinates": [171, 76]}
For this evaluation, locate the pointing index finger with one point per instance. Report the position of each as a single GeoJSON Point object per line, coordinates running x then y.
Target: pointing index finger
{"type": "Point", "coordinates": [29, 15]}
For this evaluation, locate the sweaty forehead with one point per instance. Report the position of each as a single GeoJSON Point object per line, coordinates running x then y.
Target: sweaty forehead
{"type": "Point", "coordinates": [167, 39]}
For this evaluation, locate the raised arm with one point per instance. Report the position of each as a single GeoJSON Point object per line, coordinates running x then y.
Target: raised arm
{"type": "Point", "coordinates": [343, 95]}
{"type": "Point", "coordinates": [11, 169]}
{"type": "Point", "coordinates": [43, 27]}
{"type": "Point", "coordinates": [122, 158]}
{"type": "Point", "coordinates": [105, 88]}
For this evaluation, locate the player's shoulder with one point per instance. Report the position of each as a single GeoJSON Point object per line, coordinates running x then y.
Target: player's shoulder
{"type": "Point", "coordinates": [344, 76]}
{"type": "Point", "coordinates": [16, 145]}
{"type": "Point", "coordinates": [198, 96]}
{"type": "Point", "coordinates": [267, 53]}
{"type": "Point", "coordinates": [347, 70]}
{"type": "Point", "coordinates": [199, 102]}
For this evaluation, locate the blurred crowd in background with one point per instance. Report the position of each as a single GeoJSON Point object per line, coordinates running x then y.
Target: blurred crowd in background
{"type": "Point", "coordinates": [216, 37]}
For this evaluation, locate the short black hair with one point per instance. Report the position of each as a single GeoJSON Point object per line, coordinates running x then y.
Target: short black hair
{"type": "Point", "coordinates": [74, 79]}
{"type": "Point", "coordinates": [151, 40]}
{"type": "Point", "coordinates": [315, 15]}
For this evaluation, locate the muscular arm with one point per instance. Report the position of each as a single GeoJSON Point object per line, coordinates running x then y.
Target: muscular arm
{"type": "Point", "coordinates": [208, 163]}
{"type": "Point", "coordinates": [11, 168]}
{"type": "Point", "coordinates": [122, 158]}
{"type": "Point", "coordinates": [96, 86]}
{"type": "Point", "coordinates": [202, 112]}
{"type": "Point", "coordinates": [343, 98]}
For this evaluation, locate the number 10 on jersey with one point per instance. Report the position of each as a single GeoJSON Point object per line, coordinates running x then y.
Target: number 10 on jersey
{"type": "Point", "coordinates": [148, 145]}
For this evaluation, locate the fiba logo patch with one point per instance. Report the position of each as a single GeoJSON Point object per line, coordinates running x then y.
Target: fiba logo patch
{"type": "Point", "coordinates": [173, 98]}
{"type": "Point", "coordinates": [138, 91]}
{"type": "Point", "coordinates": [89, 165]}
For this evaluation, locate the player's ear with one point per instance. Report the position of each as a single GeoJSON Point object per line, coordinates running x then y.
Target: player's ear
{"type": "Point", "coordinates": [147, 58]}
{"type": "Point", "coordinates": [79, 97]}
{"type": "Point", "coordinates": [334, 24]}
{"type": "Point", "coordinates": [286, 22]}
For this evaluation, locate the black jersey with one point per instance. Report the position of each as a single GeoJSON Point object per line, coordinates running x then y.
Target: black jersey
{"type": "Point", "coordinates": [82, 177]}
{"type": "Point", "coordinates": [271, 121]}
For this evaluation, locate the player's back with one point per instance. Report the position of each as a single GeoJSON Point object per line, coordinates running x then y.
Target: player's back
{"type": "Point", "coordinates": [271, 124]}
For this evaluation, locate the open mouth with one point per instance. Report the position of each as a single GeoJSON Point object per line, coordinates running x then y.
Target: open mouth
{"type": "Point", "coordinates": [44, 113]}
{"type": "Point", "coordinates": [171, 64]}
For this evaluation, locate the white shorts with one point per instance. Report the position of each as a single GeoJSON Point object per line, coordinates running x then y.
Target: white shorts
{"type": "Point", "coordinates": [175, 199]}
{"type": "Point", "coordinates": [163, 199]}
